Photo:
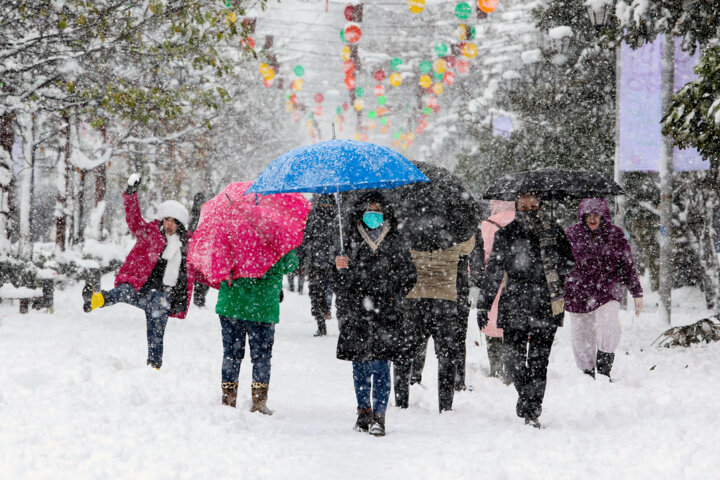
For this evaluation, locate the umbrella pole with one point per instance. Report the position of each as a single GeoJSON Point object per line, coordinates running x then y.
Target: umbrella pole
{"type": "Point", "coordinates": [337, 201]}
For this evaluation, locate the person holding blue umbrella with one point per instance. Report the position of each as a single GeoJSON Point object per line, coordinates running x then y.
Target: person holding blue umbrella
{"type": "Point", "coordinates": [371, 281]}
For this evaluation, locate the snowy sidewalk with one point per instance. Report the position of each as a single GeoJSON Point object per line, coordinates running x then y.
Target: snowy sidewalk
{"type": "Point", "coordinates": [78, 401]}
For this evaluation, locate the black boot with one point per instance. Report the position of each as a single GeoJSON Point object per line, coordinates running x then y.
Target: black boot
{"type": "Point", "coordinates": [605, 363]}
{"type": "Point", "coordinates": [377, 427]}
{"type": "Point", "coordinates": [365, 417]}
{"type": "Point", "coordinates": [590, 372]}
{"type": "Point", "coordinates": [322, 328]}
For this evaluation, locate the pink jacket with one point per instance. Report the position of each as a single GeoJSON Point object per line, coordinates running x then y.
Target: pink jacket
{"type": "Point", "coordinates": [149, 245]}
{"type": "Point", "coordinates": [501, 213]}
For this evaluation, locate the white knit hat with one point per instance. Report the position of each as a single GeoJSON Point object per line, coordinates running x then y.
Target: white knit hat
{"type": "Point", "coordinates": [176, 210]}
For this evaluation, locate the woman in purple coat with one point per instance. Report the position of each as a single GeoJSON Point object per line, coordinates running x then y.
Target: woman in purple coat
{"type": "Point", "coordinates": [593, 290]}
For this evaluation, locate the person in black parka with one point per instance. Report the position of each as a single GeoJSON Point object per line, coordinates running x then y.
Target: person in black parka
{"type": "Point", "coordinates": [320, 244]}
{"type": "Point", "coordinates": [535, 254]}
{"type": "Point", "coordinates": [371, 281]}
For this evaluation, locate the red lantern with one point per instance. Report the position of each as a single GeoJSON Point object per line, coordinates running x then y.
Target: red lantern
{"type": "Point", "coordinates": [432, 102]}
{"type": "Point", "coordinates": [318, 111]}
{"type": "Point", "coordinates": [350, 82]}
{"type": "Point", "coordinates": [349, 11]}
{"type": "Point", "coordinates": [348, 67]}
{"type": "Point", "coordinates": [379, 90]}
{"type": "Point", "coordinates": [293, 98]}
{"type": "Point", "coordinates": [268, 82]}
{"type": "Point", "coordinates": [419, 129]}
{"type": "Point", "coordinates": [448, 78]}
{"type": "Point", "coordinates": [379, 75]}
{"type": "Point", "coordinates": [436, 109]}
{"type": "Point", "coordinates": [353, 33]}
{"type": "Point", "coordinates": [462, 67]}
{"type": "Point", "coordinates": [451, 61]}
{"type": "Point", "coordinates": [319, 97]}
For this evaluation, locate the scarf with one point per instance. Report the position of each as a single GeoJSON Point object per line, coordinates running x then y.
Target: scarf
{"type": "Point", "coordinates": [374, 237]}
{"type": "Point", "coordinates": [173, 255]}
{"type": "Point", "coordinates": [543, 226]}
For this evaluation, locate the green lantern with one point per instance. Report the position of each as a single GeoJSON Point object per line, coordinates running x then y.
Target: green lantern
{"type": "Point", "coordinates": [299, 70]}
{"type": "Point", "coordinates": [471, 33]}
{"type": "Point", "coordinates": [438, 77]}
{"type": "Point", "coordinates": [342, 35]}
{"type": "Point", "coordinates": [425, 66]}
{"type": "Point", "coordinates": [396, 135]}
{"type": "Point", "coordinates": [359, 92]}
{"type": "Point", "coordinates": [463, 11]}
{"type": "Point", "coordinates": [338, 110]}
{"type": "Point", "coordinates": [372, 114]}
{"type": "Point", "coordinates": [383, 121]}
{"type": "Point", "coordinates": [382, 100]}
{"type": "Point", "coordinates": [395, 63]}
{"type": "Point", "coordinates": [427, 110]}
{"type": "Point", "coordinates": [441, 49]}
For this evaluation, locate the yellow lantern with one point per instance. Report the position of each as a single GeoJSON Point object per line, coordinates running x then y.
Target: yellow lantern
{"type": "Point", "coordinates": [438, 89]}
{"type": "Point", "coordinates": [425, 81]}
{"type": "Point", "coordinates": [358, 136]}
{"type": "Point", "coordinates": [358, 104]}
{"type": "Point", "coordinates": [395, 79]}
{"type": "Point", "coordinates": [416, 6]}
{"type": "Point", "coordinates": [396, 143]}
{"type": "Point", "coordinates": [289, 107]}
{"type": "Point", "coordinates": [346, 53]}
{"type": "Point", "coordinates": [470, 50]}
{"type": "Point", "coordinates": [371, 125]}
{"type": "Point", "coordinates": [297, 85]}
{"type": "Point", "coordinates": [265, 70]}
{"type": "Point", "coordinates": [440, 65]}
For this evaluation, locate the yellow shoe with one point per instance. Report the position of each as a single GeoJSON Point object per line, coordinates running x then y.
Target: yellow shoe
{"type": "Point", "coordinates": [96, 301]}
{"type": "Point", "coordinates": [91, 299]}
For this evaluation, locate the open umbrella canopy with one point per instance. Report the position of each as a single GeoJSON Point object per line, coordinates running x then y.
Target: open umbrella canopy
{"type": "Point", "coordinates": [337, 166]}
{"type": "Point", "coordinates": [242, 235]}
{"type": "Point", "coordinates": [436, 215]}
{"type": "Point", "coordinates": [553, 184]}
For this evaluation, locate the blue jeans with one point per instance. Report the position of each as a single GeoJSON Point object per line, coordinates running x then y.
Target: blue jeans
{"type": "Point", "coordinates": [261, 337]}
{"type": "Point", "coordinates": [156, 305]}
{"type": "Point", "coordinates": [373, 375]}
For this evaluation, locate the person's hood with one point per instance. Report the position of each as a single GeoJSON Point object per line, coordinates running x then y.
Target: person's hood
{"type": "Point", "coordinates": [499, 206]}
{"type": "Point", "coordinates": [597, 206]}
{"type": "Point", "coordinates": [176, 210]}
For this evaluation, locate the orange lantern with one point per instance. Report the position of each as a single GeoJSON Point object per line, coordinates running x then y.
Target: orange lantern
{"type": "Point", "coordinates": [353, 33]}
{"type": "Point", "coordinates": [416, 6]}
{"type": "Point", "coordinates": [440, 65]}
{"type": "Point", "coordinates": [448, 78]}
{"type": "Point", "coordinates": [438, 89]}
{"type": "Point", "coordinates": [268, 82]}
{"type": "Point", "coordinates": [381, 111]}
{"type": "Point", "coordinates": [469, 50]}
{"type": "Point", "coordinates": [487, 6]}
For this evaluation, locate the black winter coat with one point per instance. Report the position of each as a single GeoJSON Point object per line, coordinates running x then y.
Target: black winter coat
{"type": "Point", "coordinates": [369, 298]}
{"type": "Point", "coordinates": [525, 300]}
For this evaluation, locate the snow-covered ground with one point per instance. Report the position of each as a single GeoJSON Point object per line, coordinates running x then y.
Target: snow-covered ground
{"type": "Point", "coordinates": [77, 401]}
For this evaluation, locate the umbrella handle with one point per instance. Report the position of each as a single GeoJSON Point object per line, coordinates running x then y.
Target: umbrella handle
{"type": "Point", "coordinates": [342, 242]}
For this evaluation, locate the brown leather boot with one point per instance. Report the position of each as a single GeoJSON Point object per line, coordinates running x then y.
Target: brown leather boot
{"type": "Point", "coordinates": [259, 398]}
{"type": "Point", "coordinates": [229, 395]}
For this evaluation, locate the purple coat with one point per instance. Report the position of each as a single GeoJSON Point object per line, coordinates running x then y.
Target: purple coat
{"type": "Point", "coordinates": [603, 261]}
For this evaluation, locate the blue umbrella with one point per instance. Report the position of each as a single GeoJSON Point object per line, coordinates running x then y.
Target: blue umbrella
{"type": "Point", "coordinates": [336, 166]}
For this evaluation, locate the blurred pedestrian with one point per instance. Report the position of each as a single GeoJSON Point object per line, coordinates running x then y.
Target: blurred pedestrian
{"type": "Point", "coordinates": [596, 286]}
{"type": "Point", "coordinates": [370, 282]}
{"type": "Point", "coordinates": [533, 254]}
{"type": "Point", "coordinates": [320, 245]}
{"type": "Point", "coordinates": [299, 273]}
{"type": "Point", "coordinates": [155, 276]}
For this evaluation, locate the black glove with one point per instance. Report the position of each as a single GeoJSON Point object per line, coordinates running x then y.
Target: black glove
{"type": "Point", "coordinates": [482, 319]}
{"type": "Point", "coordinates": [133, 184]}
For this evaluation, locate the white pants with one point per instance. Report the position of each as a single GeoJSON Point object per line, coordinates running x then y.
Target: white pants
{"type": "Point", "coordinates": [597, 330]}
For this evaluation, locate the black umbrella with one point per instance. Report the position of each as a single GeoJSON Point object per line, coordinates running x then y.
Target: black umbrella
{"type": "Point", "coordinates": [553, 184]}
{"type": "Point", "coordinates": [435, 215]}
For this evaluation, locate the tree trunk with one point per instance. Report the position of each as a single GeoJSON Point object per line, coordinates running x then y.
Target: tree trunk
{"type": "Point", "coordinates": [63, 172]}
{"type": "Point", "coordinates": [666, 185]}
{"type": "Point", "coordinates": [7, 138]}
{"type": "Point", "coordinates": [27, 127]}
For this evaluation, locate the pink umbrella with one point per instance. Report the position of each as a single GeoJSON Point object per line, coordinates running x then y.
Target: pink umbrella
{"type": "Point", "coordinates": [242, 236]}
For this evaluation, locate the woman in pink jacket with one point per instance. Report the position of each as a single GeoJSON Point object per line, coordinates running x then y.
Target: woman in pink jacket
{"type": "Point", "coordinates": [155, 276]}
{"type": "Point", "coordinates": [501, 213]}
